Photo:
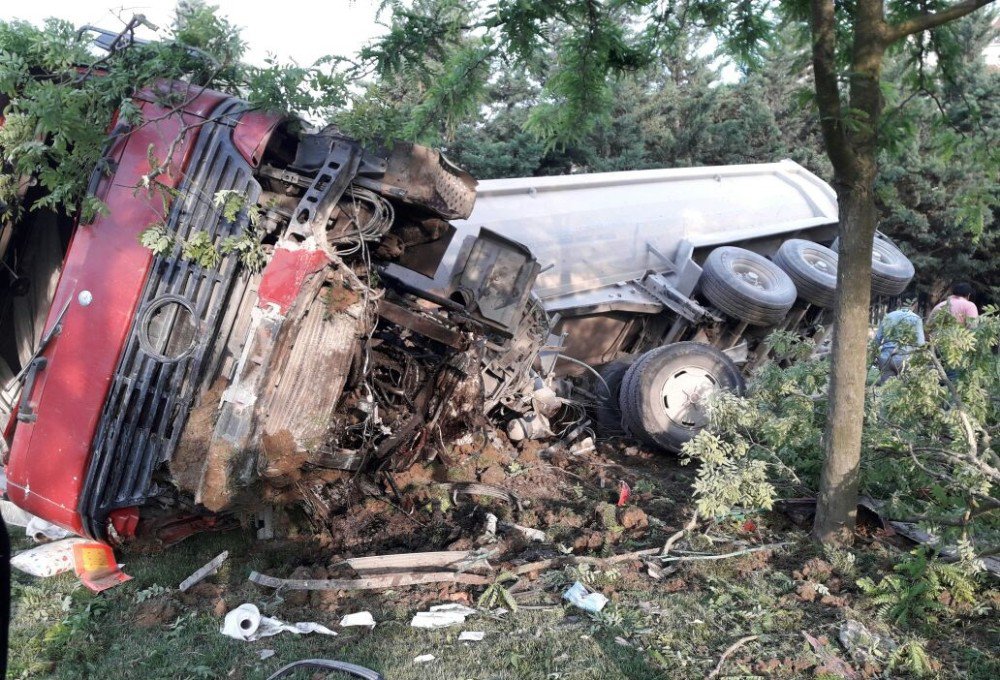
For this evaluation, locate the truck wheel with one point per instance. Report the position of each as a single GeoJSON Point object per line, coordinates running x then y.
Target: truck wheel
{"type": "Point", "coordinates": [747, 286]}
{"type": "Point", "coordinates": [892, 271]}
{"type": "Point", "coordinates": [664, 393]}
{"type": "Point", "coordinates": [812, 267]}
{"type": "Point", "coordinates": [608, 414]}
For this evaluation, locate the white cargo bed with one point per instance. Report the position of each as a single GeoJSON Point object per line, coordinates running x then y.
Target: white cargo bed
{"type": "Point", "coordinates": [591, 231]}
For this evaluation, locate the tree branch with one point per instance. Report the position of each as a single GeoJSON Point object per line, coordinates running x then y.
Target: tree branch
{"type": "Point", "coordinates": [824, 37]}
{"type": "Point", "coordinates": [680, 534]}
{"type": "Point", "coordinates": [929, 20]}
{"type": "Point", "coordinates": [726, 654]}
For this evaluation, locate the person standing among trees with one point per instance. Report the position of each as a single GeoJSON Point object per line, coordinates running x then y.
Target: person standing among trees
{"type": "Point", "coordinates": [900, 332]}
{"type": "Point", "coordinates": [958, 304]}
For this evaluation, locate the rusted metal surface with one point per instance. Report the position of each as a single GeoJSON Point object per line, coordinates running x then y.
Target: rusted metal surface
{"type": "Point", "coordinates": [418, 175]}
{"type": "Point", "coordinates": [309, 376]}
{"type": "Point", "coordinates": [420, 324]}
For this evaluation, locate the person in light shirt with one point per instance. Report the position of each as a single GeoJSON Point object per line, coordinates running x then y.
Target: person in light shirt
{"type": "Point", "coordinates": [958, 304]}
{"type": "Point", "coordinates": [897, 337]}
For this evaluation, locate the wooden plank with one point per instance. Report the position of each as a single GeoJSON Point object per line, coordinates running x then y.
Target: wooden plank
{"type": "Point", "coordinates": [371, 582]}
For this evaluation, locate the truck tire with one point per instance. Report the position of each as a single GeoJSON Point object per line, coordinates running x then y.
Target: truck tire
{"type": "Point", "coordinates": [608, 414]}
{"type": "Point", "coordinates": [663, 394]}
{"type": "Point", "coordinates": [747, 286]}
{"type": "Point", "coordinates": [812, 267]}
{"type": "Point", "coordinates": [892, 271]}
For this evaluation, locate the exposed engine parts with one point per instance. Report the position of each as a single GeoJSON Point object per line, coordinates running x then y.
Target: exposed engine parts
{"type": "Point", "coordinates": [339, 367]}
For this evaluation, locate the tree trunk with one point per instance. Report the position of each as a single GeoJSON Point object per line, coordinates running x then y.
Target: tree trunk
{"type": "Point", "coordinates": [852, 146]}
{"type": "Point", "coordinates": [838, 489]}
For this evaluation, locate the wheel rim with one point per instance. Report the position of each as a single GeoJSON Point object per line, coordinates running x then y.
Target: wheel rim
{"type": "Point", "coordinates": [880, 254]}
{"type": "Point", "coordinates": [751, 275]}
{"type": "Point", "coordinates": [818, 262]}
{"type": "Point", "coordinates": [685, 395]}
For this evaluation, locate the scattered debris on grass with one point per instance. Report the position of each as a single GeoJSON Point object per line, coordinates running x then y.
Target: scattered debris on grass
{"type": "Point", "coordinates": [830, 663]}
{"type": "Point", "coordinates": [341, 666]}
{"type": "Point", "coordinates": [369, 583]}
{"type": "Point", "coordinates": [246, 623]}
{"type": "Point", "coordinates": [867, 648]}
{"type": "Point", "coordinates": [48, 559]}
{"type": "Point", "coordinates": [208, 570]}
{"type": "Point", "coordinates": [442, 616]}
{"type": "Point", "coordinates": [358, 619]}
{"type": "Point", "coordinates": [580, 596]}
{"type": "Point", "coordinates": [41, 531]}
{"type": "Point", "coordinates": [729, 652]}
{"type": "Point", "coordinates": [96, 567]}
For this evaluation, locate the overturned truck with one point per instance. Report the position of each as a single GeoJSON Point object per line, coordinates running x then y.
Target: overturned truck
{"type": "Point", "coordinates": [387, 316]}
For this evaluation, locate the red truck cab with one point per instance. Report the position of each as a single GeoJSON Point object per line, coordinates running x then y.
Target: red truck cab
{"type": "Point", "coordinates": [164, 385]}
{"type": "Point", "coordinates": [83, 396]}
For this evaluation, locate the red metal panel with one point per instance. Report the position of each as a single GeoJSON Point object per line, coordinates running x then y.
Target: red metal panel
{"type": "Point", "coordinates": [49, 457]}
{"type": "Point", "coordinates": [125, 521]}
{"type": "Point", "coordinates": [285, 273]}
{"type": "Point", "coordinates": [252, 134]}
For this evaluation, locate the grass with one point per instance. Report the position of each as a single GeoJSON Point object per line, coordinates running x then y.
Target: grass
{"type": "Point", "coordinates": [675, 627]}
{"type": "Point", "coordinates": [60, 630]}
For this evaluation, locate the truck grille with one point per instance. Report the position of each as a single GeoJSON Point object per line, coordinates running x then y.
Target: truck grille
{"type": "Point", "coordinates": [176, 335]}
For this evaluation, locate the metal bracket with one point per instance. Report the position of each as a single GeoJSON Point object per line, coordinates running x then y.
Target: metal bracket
{"type": "Point", "coordinates": [25, 414]}
{"type": "Point", "coordinates": [671, 268]}
{"type": "Point", "coordinates": [331, 181]}
{"type": "Point", "coordinates": [660, 288]}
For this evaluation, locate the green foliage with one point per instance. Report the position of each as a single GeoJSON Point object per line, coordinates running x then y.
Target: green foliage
{"type": "Point", "coordinates": [842, 560]}
{"type": "Point", "coordinates": [63, 98]}
{"type": "Point", "coordinates": [246, 245]}
{"type": "Point", "coordinates": [248, 248]}
{"type": "Point", "coordinates": [449, 52]}
{"type": "Point", "coordinates": [912, 595]}
{"type": "Point", "coordinates": [927, 441]}
{"type": "Point", "coordinates": [727, 475]}
{"type": "Point", "coordinates": [75, 623]}
{"type": "Point", "coordinates": [912, 657]}
{"type": "Point", "coordinates": [937, 188]}
{"type": "Point", "coordinates": [199, 248]}
{"type": "Point", "coordinates": [496, 594]}
{"type": "Point", "coordinates": [152, 592]}
{"type": "Point", "coordinates": [316, 92]}
{"type": "Point", "coordinates": [158, 238]}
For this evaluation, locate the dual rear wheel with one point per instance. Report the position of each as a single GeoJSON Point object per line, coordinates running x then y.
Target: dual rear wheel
{"type": "Point", "coordinates": [663, 396]}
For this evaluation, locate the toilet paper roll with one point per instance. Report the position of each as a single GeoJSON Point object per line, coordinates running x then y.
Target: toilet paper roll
{"type": "Point", "coordinates": [242, 623]}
